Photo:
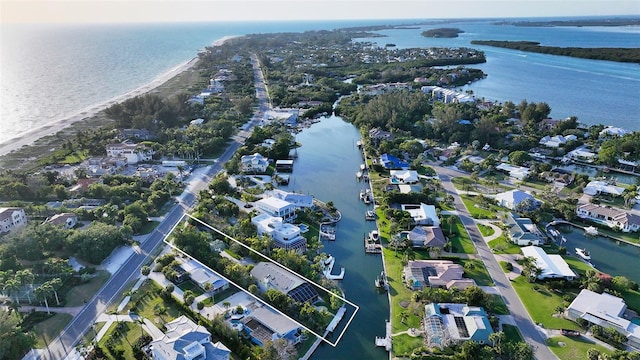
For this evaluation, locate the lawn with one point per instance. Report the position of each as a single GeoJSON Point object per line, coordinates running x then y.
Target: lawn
{"type": "Point", "coordinates": [400, 294]}
{"type": "Point", "coordinates": [542, 304]}
{"type": "Point", "coordinates": [502, 245]}
{"type": "Point", "coordinates": [578, 266]}
{"type": "Point", "coordinates": [403, 345]}
{"type": "Point", "coordinates": [77, 295]}
{"type": "Point", "coordinates": [460, 241]}
{"type": "Point", "coordinates": [474, 269]}
{"type": "Point", "coordinates": [574, 348]}
{"type": "Point", "coordinates": [49, 329]}
{"type": "Point", "coordinates": [190, 285]}
{"type": "Point", "coordinates": [485, 230]}
{"type": "Point", "coordinates": [478, 210]}
{"type": "Point", "coordinates": [497, 305]}
{"type": "Point", "coordinates": [512, 333]}
{"type": "Point", "coordinates": [147, 303]}
{"type": "Point", "coordinates": [121, 336]}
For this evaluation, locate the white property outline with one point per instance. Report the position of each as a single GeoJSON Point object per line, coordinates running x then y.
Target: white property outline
{"type": "Point", "coordinates": [334, 344]}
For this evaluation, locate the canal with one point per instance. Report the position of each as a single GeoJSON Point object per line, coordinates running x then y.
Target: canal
{"type": "Point", "coordinates": [609, 256]}
{"type": "Point", "coordinates": [325, 168]}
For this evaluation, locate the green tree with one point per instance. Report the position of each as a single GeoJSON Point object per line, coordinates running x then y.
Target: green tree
{"type": "Point", "coordinates": [15, 341]}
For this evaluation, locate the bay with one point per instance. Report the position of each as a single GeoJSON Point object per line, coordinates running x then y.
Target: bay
{"type": "Point", "coordinates": [51, 72]}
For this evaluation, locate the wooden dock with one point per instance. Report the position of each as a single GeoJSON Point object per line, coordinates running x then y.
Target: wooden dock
{"type": "Point", "coordinates": [385, 341]}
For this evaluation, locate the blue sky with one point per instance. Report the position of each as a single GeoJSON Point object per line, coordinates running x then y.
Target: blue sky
{"type": "Point", "coordinates": [114, 11]}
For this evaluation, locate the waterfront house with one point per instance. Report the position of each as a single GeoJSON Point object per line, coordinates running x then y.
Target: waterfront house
{"type": "Point", "coordinates": [426, 236]}
{"type": "Point", "coordinates": [422, 214]}
{"type": "Point", "coordinates": [580, 154]}
{"type": "Point", "coordinates": [272, 276]}
{"type": "Point", "coordinates": [553, 266]}
{"type": "Point", "coordinates": [607, 311]}
{"type": "Point", "coordinates": [512, 198]}
{"type": "Point", "coordinates": [447, 96]}
{"type": "Point", "coordinates": [66, 220]}
{"type": "Point", "coordinates": [277, 208]}
{"type": "Point", "coordinates": [284, 235]}
{"type": "Point", "coordinates": [596, 187]}
{"type": "Point", "coordinates": [420, 274]}
{"type": "Point", "coordinates": [134, 153]}
{"type": "Point", "coordinates": [255, 163]}
{"type": "Point", "coordinates": [377, 135]}
{"type": "Point", "coordinates": [264, 324]}
{"type": "Point", "coordinates": [391, 162]}
{"type": "Point", "coordinates": [612, 217]}
{"type": "Point", "coordinates": [516, 172]}
{"type": "Point", "coordinates": [447, 324]}
{"type": "Point", "coordinates": [404, 177]}
{"type": "Point", "coordinates": [522, 231]}
{"type": "Point", "coordinates": [557, 140]}
{"type": "Point", "coordinates": [299, 200]}
{"type": "Point", "coordinates": [613, 131]}
{"type": "Point", "coordinates": [186, 340]}
{"type": "Point", "coordinates": [12, 218]}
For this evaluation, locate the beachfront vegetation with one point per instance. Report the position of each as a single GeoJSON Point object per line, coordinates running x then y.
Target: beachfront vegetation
{"type": "Point", "coordinates": [442, 33]}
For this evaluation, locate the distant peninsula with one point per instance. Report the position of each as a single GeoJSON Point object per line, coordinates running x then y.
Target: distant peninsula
{"type": "Point", "coordinates": [581, 22]}
{"type": "Point", "coordinates": [442, 33]}
{"type": "Point", "coordinates": [631, 55]}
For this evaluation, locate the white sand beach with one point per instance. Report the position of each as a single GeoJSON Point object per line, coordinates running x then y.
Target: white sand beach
{"type": "Point", "coordinates": [53, 127]}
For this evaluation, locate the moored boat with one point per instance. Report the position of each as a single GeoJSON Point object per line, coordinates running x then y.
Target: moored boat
{"type": "Point", "coordinates": [583, 254]}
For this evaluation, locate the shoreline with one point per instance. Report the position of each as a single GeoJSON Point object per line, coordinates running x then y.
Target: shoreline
{"type": "Point", "coordinates": [30, 137]}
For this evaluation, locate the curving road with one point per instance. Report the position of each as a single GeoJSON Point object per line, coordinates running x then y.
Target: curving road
{"type": "Point", "coordinates": [82, 322]}
{"type": "Point", "coordinates": [523, 321]}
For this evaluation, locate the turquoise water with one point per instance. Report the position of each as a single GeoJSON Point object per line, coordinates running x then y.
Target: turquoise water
{"type": "Point", "coordinates": [607, 255]}
{"type": "Point", "coordinates": [50, 72]}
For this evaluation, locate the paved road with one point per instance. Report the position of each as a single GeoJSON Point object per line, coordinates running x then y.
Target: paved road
{"type": "Point", "coordinates": [520, 315]}
{"type": "Point", "coordinates": [81, 323]}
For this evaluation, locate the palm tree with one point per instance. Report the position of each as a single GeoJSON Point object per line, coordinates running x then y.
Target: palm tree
{"type": "Point", "coordinates": [403, 316]}
{"type": "Point", "coordinates": [26, 277]}
{"type": "Point", "coordinates": [12, 286]}
{"type": "Point", "coordinates": [42, 292]}
{"type": "Point", "coordinates": [208, 287]}
{"type": "Point", "coordinates": [56, 284]}
{"type": "Point", "coordinates": [180, 171]}
{"type": "Point", "coordinates": [226, 305]}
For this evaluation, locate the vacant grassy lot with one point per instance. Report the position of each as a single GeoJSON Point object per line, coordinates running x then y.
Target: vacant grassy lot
{"type": "Point", "coordinates": [571, 348]}
{"type": "Point", "coordinates": [77, 295]}
{"type": "Point", "coordinates": [478, 210]}
{"type": "Point", "coordinates": [541, 304]}
{"type": "Point", "coordinates": [50, 328]}
{"type": "Point", "coordinates": [460, 240]}
{"type": "Point", "coordinates": [474, 269]}
{"type": "Point", "coordinates": [148, 303]}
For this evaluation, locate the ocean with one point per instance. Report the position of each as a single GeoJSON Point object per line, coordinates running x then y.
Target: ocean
{"type": "Point", "coordinates": [52, 72]}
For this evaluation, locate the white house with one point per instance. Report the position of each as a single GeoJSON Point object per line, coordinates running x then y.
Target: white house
{"type": "Point", "coordinates": [186, 340]}
{"type": "Point", "coordinates": [196, 122]}
{"type": "Point", "coordinates": [553, 266]}
{"type": "Point", "coordinates": [611, 217]}
{"type": "Point", "coordinates": [404, 176]}
{"type": "Point", "coordinates": [605, 310]}
{"type": "Point", "coordinates": [277, 208]}
{"type": "Point", "coordinates": [12, 218]}
{"type": "Point", "coordinates": [517, 172]}
{"type": "Point", "coordinates": [299, 200]}
{"type": "Point", "coordinates": [510, 199]}
{"type": "Point", "coordinates": [557, 141]}
{"type": "Point", "coordinates": [422, 214]}
{"type": "Point", "coordinates": [582, 154]}
{"type": "Point", "coordinates": [254, 163]}
{"type": "Point", "coordinates": [613, 131]}
{"type": "Point", "coordinates": [284, 235]}
{"type": "Point", "coordinates": [134, 153]}
{"type": "Point", "coordinates": [596, 187]}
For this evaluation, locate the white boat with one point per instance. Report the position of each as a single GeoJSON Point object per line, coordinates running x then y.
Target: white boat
{"type": "Point", "coordinates": [359, 174]}
{"type": "Point", "coordinates": [591, 230]}
{"type": "Point", "coordinates": [362, 166]}
{"type": "Point", "coordinates": [583, 254]}
{"type": "Point", "coordinates": [374, 236]}
{"type": "Point", "coordinates": [370, 215]}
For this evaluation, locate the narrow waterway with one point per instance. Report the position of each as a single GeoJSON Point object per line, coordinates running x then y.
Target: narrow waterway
{"type": "Point", "coordinates": [609, 256]}
{"type": "Point", "coordinates": [326, 166]}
